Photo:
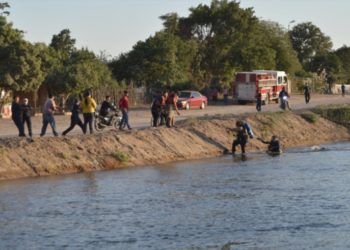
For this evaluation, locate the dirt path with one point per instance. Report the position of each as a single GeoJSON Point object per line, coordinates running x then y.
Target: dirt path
{"type": "Point", "coordinates": [140, 118]}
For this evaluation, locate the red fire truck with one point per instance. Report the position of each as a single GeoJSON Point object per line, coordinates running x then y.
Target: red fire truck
{"type": "Point", "coordinates": [247, 85]}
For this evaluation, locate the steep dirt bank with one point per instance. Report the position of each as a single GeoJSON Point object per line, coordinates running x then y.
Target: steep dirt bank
{"type": "Point", "coordinates": [192, 138]}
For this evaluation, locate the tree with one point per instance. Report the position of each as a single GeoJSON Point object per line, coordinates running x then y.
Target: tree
{"type": "Point", "coordinates": [277, 40]}
{"type": "Point", "coordinates": [343, 54]}
{"type": "Point", "coordinates": [309, 41]}
{"type": "Point", "coordinates": [20, 64]}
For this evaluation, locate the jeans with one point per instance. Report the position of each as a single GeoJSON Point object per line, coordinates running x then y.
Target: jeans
{"type": "Point", "coordinates": [226, 99]}
{"type": "Point", "coordinates": [155, 115]}
{"type": "Point", "coordinates": [125, 119]}
{"type": "Point", "coordinates": [88, 118]}
{"type": "Point", "coordinates": [46, 120]}
{"type": "Point", "coordinates": [26, 119]}
{"type": "Point", "coordinates": [258, 105]}
{"type": "Point", "coordinates": [74, 120]}
{"type": "Point", "coordinates": [19, 125]}
{"type": "Point", "coordinates": [307, 97]}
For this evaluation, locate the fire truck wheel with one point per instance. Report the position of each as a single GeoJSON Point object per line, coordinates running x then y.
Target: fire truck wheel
{"type": "Point", "coordinates": [277, 100]}
{"type": "Point", "coordinates": [241, 102]}
{"type": "Point", "coordinates": [266, 101]}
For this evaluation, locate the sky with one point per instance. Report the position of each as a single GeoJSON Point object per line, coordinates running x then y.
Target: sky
{"type": "Point", "coordinates": [114, 26]}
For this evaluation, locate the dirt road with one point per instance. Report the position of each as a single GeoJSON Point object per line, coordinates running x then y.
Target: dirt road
{"type": "Point", "coordinates": [141, 117]}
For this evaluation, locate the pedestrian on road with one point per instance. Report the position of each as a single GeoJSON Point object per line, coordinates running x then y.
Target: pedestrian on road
{"type": "Point", "coordinates": [258, 98]}
{"type": "Point", "coordinates": [124, 106]}
{"type": "Point", "coordinates": [343, 90]}
{"type": "Point", "coordinates": [307, 91]}
{"type": "Point", "coordinates": [156, 107]}
{"type": "Point", "coordinates": [74, 119]}
{"type": "Point", "coordinates": [88, 105]}
{"type": "Point", "coordinates": [214, 94]}
{"type": "Point", "coordinates": [225, 93]}
{"type": "Point", "coordinates": [48, 111]}
{"type": "Point", "coordinates": [16, 115]}
{"type": "Point", "coordinates": [26, 116]}
{"type": "Point", "coordinates": [207, 93]}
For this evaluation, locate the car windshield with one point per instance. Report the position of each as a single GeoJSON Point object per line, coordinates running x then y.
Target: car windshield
{"type": "Point", "coordinates": [185, 95]}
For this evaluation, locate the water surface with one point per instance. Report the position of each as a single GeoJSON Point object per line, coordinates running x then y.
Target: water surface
{"type": "Point", "coordinates": [298, 200]}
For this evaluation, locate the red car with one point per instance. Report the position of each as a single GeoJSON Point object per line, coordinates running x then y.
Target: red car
{"type": "Point", "coordinates": [188, 98]}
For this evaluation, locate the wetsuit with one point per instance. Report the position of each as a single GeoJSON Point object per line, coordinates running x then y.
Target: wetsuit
{"type": "Point", "coordinates": [16, 117]}
{"type": "Point", "coordinates": [242, 139]}
{"type": "Point", "coordinates": [26, 119]}
{"type": "Point", "coordinates": [307, 94]}
{"type": "Point", "coordinates": [274, 146]}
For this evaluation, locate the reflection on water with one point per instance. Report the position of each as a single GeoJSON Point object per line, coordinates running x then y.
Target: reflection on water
{"type": "Point", "coordinates": [297, 200]}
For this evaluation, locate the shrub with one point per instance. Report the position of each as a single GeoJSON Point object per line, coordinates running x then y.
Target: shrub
{"type": "Point", "coordinates": [79, 157]}
{"type": "Point", "coordinates": [191, 120]}
{"type": "Point", "coordinates": [310, 117]}
{"type": "Point", "coordinates": [64, 155]}
{"type": "Point", "coordinates": [122, 157]}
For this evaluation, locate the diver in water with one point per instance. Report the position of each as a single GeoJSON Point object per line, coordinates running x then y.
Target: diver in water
{"type": "Point", "coordinates": [274, 144]}
{"type": "Point", "coordinates": [242, 136]}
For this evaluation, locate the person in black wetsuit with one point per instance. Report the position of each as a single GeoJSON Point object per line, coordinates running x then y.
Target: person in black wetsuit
{"type": "Point", "coordinates": [26, 116]}
{"type": "Point", "coordinates": [16, 115]}
{"type": "Point", "coordinates": [274, 144]}
{"type": "Point", "coordinates": [106, 109]}
{"type": "Point", "coordinates": [307, 91]}
{"type": "Point", "coordinates": [242, 137]}
{"type": "Point", "coordinates": [74, 119]}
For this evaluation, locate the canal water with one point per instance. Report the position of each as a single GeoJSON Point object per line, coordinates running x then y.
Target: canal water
{"type": "Point", "coordinates": [298, 200]}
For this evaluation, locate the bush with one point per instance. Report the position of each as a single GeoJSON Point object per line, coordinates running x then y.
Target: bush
{"type": "Point", "coordinates": [300, 86]}
{"type": "Point", "coordinates": [122, 157]}
{"type": "Point", "coordinates": [79, 157]}
{"type": "Point", "coordinates": [310, 117]}
{"type": "Point", "coordinates": [64, 155]}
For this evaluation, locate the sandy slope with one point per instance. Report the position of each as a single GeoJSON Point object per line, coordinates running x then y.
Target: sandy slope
{"type": "Point", "coordinates": [195, 137]}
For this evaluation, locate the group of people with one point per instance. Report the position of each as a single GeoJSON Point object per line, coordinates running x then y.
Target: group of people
{"type": "Point", "coordinates": [163, 106]}
{"type": "Point", "coordinates": [21, 114]}
{"type": "Point", "coordinates": [214, 94]}
{"type": "Point", "coordinates": [274, 145]}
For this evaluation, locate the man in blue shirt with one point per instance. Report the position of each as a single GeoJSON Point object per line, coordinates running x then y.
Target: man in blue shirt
{"type": "Point", "coordinates": [343, 90]}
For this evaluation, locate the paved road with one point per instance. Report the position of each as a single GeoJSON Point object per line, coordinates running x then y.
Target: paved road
{"type": "Point", "coordinates": [140, 117]}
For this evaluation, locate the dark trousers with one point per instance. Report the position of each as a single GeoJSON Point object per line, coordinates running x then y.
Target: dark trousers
{"type": "Point", "coordinates": [307, 97]}
{"type": "Point", "coordinates": [239, 141]}
{"type": "Point", "coordinates": [226, 99]}
{"type": "Point", "coordinates": [19, 125]}
{"type": "Point", "coordinates": [88, 118]}
{"type": "Point", "coordinates": [155, 115]}
{"type": "Point", "coordinates": [258, 105]}
{"type": "Point", "coordinates": [74, 120]}
{"type": "Point", "coordinates": [26, 119]}
{"type": "Point", "coordinates": [343, 92]}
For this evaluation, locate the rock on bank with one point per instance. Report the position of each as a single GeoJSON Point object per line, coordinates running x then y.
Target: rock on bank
{"type": "Point", "coordinates": [194, 137]}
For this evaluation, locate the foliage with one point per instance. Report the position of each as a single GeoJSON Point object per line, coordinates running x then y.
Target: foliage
{"type": "Point", "coordinates": [79, 157]}
{"type": "Point", "coordinates": [310, 117]}
{"type": "Point", "coordinates": [300, 86]}
{"type": "Point", "coordinates": [121, 157]}
{"type": "Point", "coordinates": [343, 54]}
{"type": "Point", "coordinates": [309, 41]}
{"type": "Point", "coordinates": [64, 155]}
{"type": "Point", "coordinates": [336, 113]}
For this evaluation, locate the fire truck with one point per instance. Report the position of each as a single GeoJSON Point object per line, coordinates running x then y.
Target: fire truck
{"type": "Point", "coordinates": [247, 85]}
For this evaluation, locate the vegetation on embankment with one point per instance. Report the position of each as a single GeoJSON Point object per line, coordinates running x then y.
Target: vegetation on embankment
{"type": "Point", "coordinates": [194, 137]}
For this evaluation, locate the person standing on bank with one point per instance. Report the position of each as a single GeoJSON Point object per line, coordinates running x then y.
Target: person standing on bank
{"type": "Point", "coordinates": [225, 93]}
{"type": "Point", "coordinates": [88, 105]}
{"type": "Point", "coordinates": [343, 90]}
{"type": "Point", "coordinates": [307, 91]}
{"type": "Point", "coordinates": [242, 137]}
{"type": "Point", "coordinates": [258, 98]}
{"type": "Point", "coordinates": [74, 119]}
{"type": "Point", "coordinates": [48, 111]}
{"type": "Point", "coordinates": [124, 106]}
{"type": "Point", "coordinates": [214, 94]}
{"type": "Point", "coordinates": [26, 116]}
{"type": "Point", "coordinates": [16, 109]}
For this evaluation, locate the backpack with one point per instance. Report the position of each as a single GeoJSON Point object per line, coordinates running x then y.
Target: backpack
{"type": "Point", "coordinates": [249, 131]}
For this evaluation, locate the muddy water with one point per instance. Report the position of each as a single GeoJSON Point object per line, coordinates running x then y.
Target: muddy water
{"type": "Point", "coordinates": [299, 200]}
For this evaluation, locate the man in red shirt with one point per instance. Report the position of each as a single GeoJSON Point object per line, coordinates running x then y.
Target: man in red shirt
{"type": "Point", "coordinates": [124, 107]}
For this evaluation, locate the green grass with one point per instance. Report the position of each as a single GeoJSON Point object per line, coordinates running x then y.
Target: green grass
{"type": "Point", "coordinates": [310, 117]}
{"type": "Point", "coordinates": [79, 157]}
{"type": "Point", "coordinates": [336, 113]}
{"type": "Point", "coordinates": [64, 155]}
{"type": "Point", "coordinates": [191, 121]}
{"type": "Point", "coordinates": [121, 157]}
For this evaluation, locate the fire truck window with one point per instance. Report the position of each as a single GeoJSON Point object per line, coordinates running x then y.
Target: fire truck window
{"type": "Point", "coordinates": [285, 80]}
{"type": "Point", "coordinates": [280, 80]}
